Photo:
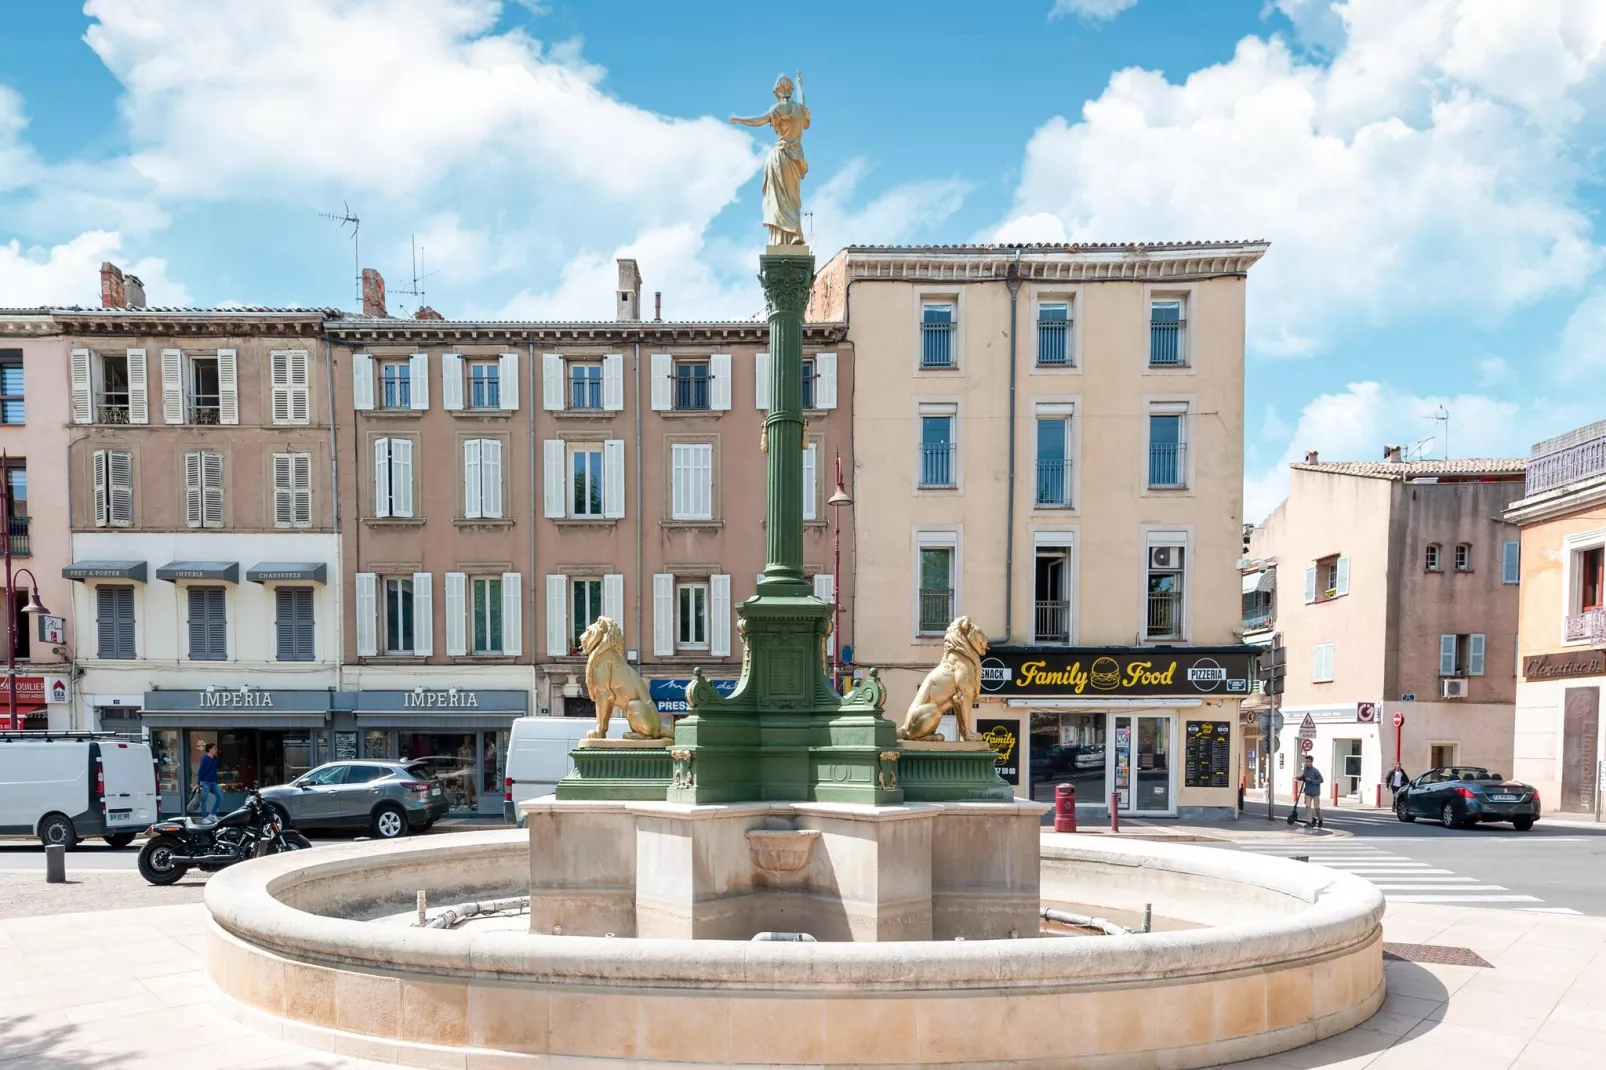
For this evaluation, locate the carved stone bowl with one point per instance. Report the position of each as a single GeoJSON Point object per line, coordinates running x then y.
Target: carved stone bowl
{"type": "Point", "coordinates": [782, 850]}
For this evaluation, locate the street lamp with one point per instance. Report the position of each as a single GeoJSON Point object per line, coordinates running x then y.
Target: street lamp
{"type": "Point", "coordinates": [838, 499]}
{"type": "Point", "coordinates": [34, 606]}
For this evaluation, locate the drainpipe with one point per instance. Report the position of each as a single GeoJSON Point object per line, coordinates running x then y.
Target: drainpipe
{"type": "Point", "coordinates": [1013, 282]}
{"type": "Point", "coordinates": [73, 695]}
{"type": "Point", "coordinates": [334, 501]}
{"type": "Point", "coordinates": [635, 373]}
{"type": "Point", "coordinates": [535, 529]}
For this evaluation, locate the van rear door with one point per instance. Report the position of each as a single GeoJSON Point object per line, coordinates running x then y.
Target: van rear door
{"type": "Point", "coordinates": [129, 778]}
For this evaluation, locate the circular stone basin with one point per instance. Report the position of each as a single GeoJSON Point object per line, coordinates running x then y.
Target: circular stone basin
{"type": "Point", "coordinates": [1279, 954]}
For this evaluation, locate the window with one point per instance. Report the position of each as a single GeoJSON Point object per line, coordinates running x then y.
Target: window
{"type": "Point", "coordinates": [1258, 607]}
{"type": "Point", "coordinates": [574, 603]}
{"type": "Point", "coordinates": [1431, 560]}
{"type": "Point", "coordinates": [585, 386]}
{"type": "Point", "coordinates": [691, 385]}
{"type": "Point", "coordinates": [810, 379]}
{"type": "Point", "coordinates": [111, 403]}
{"type": "Point", "coordinates": [1327, 578]}
{"type": "Point", "coordinates": [1166, 333]}
{"type": "Point", "coordinates": [395, 385]}
{"type": "Point", "coordinates": [109, 389]}
{"type": "Point", "coordinates": [16, 475]}
{"type": "Point", "coordinates": [1167, 572]}
{"type": "Point", "coordinates": [1322, 664]}
{"type": "Point", "coordinates": [1511, 562]}
{"type": "Point", "coordinates": [114, 621]}
{"type": "Point", "coordinates": [936, 589]}
{"type": "Point", "coordinates": [393, 477]}
{"type": "Point", "coordinates": [1167, 460]}
{"type": "Point", "coordinates": [587, 598]}
{"type": "Point", "coordinates": [1052, 596]}
{"type": "Point", "coordinates": [197, 389]}
{"type": "Point", "coordinates": [293, 623]}
{"type": "Point", "coordinates": [691, 615]}
{"type": "Point", "coordinates": [206, 394]}
{"type": "Point", "coordinates": [1592, 581]}
{"type": "Point", "coordinates": [486, 610]}
{"type": "Point", "coordinates": [1461, 655]}
{"type": "Point", "coordinates": [1053, 334]}
{"type": "Point", "coordinates": [590, 386]}
{"type": "Point", "coordinates": [585, 466]}
{"type": "Point", "coordinates": [691, 481]}
{"type": "Point", "coordinates": [1463, 557]}
{"type": "Point", "coordinates": [937, 335]}
{"type": "Point", "coordinates": [399, 613]}
{"type": "Point", "coordinates": [203, 488]}
{"type": "Point", "coordinates": [12, 410]}
{"type": "Point", "coordinates": [1054, 462]}
{"type": "Point", "coordinates": [208, 626]}
{"type": "Point", "coordinates": [292, 490]}
{"type": "Point", "coordinates": [584, 479]}
{"type": "Point", "coordinates": [482, 478]}
{"type": "Point", "coordinates": [114, 488]}
{"type": "Point", "coordinates": [484, 384]}
{"type": "Point", "coordinates": [937, 451]}
{"type": "Point", "coordinates": [291, 403]}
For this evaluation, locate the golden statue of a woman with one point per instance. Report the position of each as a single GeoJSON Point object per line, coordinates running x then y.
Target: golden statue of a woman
{"type": "Point", "coordinates": [785, 167]}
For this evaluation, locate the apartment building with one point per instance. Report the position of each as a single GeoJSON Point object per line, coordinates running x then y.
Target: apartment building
{"type": "Point", "coordinates": [1389, 588]}
{"type": "Point", "coordinates": [1049, 440]}
{"type": "Point", "coordinates": [201, 509]}
{"type": "Point", "coordinates": [1559, 747]}
{"type": "Point", "coordinates": [33, 436]}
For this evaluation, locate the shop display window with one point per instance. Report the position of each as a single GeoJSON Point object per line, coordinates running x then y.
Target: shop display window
{"type": "Point", "coordinates": [450, 756]}
{"type": "Point", "coordinates": [1068, 747]}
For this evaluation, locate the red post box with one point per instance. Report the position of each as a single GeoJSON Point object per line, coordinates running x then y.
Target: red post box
{"type": "Point", "coordinates": [1065, 808]}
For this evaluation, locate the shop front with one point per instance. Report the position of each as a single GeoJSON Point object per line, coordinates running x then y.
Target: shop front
{"type": "Point", "coordinates": [36, 695]}
{"type": "Point", "coordinates": [1156, 729]}
{"type": "Point", "coordinates": [461, 734]}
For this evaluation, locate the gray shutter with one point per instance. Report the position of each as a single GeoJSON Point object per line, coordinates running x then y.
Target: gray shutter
{"type": "Point", "coordinates": [1447, 655]}
{"type": "Point", "coordinates": [1511, 562]}
{"type": "Point", "coordinates": [294, 623]}
{"type": "Point", "coordinates": [208, 624]}
{"type": "Point", "coordinates": [1475, 653]}
{"type": "Point", "coordinates": [115, 621]}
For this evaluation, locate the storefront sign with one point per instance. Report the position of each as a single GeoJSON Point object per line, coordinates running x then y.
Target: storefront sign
{"type": "Point", "coordinates": [1557, 666]}
{"type": "Point", "coordinates": [1004, 738]}
{"type": "Point", "coordinates": [1117, 672]}
{"type": "Point", "coordinates": [421, 700]}
{"type": "Point", "coordinates": [232, 700]}
{"type": "Point", "coordinates": [52, 629]}
{"type": "Point", "coordinates": [670, 695]}
{"type": "Point", "coordinates": [221, 699]}
{"type": "Point", "coordinates": [1208, 754]}
{"type": "Point", "coordinates": [55, 689]}
{"type": "Point", "coordinates": [30, 691]}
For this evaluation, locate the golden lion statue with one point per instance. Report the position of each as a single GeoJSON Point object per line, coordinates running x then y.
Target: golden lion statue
{"type": "Point", "coordinates": [613, 683]}
{"type": "Point", "coordinates": [951, 687]}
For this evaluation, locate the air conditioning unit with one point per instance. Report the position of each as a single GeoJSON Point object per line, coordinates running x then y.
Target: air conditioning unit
{"type": "Point", "coordinates": [1454, 687]}
{"type": "Point", "coordinates": [1165, 556]}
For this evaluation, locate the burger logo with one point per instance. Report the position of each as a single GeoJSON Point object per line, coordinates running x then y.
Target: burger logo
{"type": "Point", "coordinates": [1105, 674]}
{"type": "Point", "coordinates": [995, 675]}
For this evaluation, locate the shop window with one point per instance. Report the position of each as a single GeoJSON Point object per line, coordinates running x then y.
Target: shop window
{"type": "Point", "coordinates": [452, 758]}
{"type": "Point", "coordinates": [1068, 748]}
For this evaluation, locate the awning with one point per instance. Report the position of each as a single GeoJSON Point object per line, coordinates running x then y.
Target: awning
{"type": "Point", "coordinates": [1260, 581]}
{"type": "Point", "coordinates": [220, 571]}
{"type": "Point", "coordinates": [288, 572]}
{"type": "Point", "coordinates": [1251, 582]}
{"type": "Point", "coordinates": [105, 570]}
{"type": "Point", "coordinates": [226, 719]}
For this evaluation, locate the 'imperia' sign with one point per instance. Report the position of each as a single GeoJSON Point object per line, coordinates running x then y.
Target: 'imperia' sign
{"type": "Point", "coordinates": [440, 699]}
{"type": "Point", "coordinates": [218, 700]}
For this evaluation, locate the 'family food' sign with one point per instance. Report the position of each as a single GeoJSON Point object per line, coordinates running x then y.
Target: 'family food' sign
{"type": "Point", "coordinates": [1095, 672]}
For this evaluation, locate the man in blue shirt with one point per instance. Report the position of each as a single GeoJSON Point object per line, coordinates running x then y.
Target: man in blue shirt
{"type": "Point", "coordinates": [206, 781]}
{"type": "Point", "coordinates": [1310, 780]}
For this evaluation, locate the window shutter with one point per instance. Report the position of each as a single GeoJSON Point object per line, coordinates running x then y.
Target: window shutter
{"type": "Point", "coordinates": [663, 369]}
{"type": "Point", "coordinates": [811, 493]}
{"type": "Point", "coordinates": [301, 484]}
{"type": "Point", "coordinates": [557, 604]}
{"type": "Point", "coordinates": [284, 504]}
{"type": "Point", "coordinates": [473, 495]}
{"type": "Point", "coordinates": [1310, 584]}
{"type": "Point", "coordinates": [555, 487]}
{"type": "Point", "coordinates": [512, 614]}
{"type": "Point", "coordinates": [362, 381]}
{"type": "Point", "coordinates": [120, 472]}
{"type": "Point", "coordinates": [663, 614]}
{"type": "Point", "coordinates": [305, 642]}
{"type": "Point", "coordinates": [284, 623]}
{"type": "Point", "coordinates": [456, 614]}
{"type": "Point", "coordinates": [228, 388]}
{"type": "Point", "coordinates": [719, 382]}
{"type": "Point", "coordinates": [192, 488]}
{"type": "Point", "coordinates": [703, 481]}
{"type": "Point", "coordinates": [401, 477]}
{"type": "Point", "coordinates": [418, 381]}
{"type": "Point", "coordinates": [1341, 584]}
{"type": "Point", "coordinates": [211, 489]}
{"type": "Point", "coordinates": [825, 591]}
{"type": "Point", "coordinates": [173, 386]}
{"type": "Point", "coordinates": [217, 642]}
{"type": "Point", "coordinates": [613, 598]}
{"type": "Point", "coordinates": [83, 396]}
{"type": "Point", "coordinates": [761, 381]}
{"type": "Point", "coordinates": [300, 388]}
{"type": "Point", "coordinates": [1446, 655]}
{"type": "Point", "coordinates": [125, 622]}
{"type": "Point", "coordinates": [1511, 562]}
{"type": "Point", "coordinates": [679, 482]}
{"type": "Point", "coordinates": [825, 380]}
{"type": "Point", "coordinates": [367, 616]}
{"type": "Point", "coordinates": [381, 477]}
{"type": "Point", "coordinates": [507, 386]}
{"type": "Point", "coordinates": [423, 614]}
{"type": "Point", "coordinates": [613, 478]}
{"type": "Point", "coordinates": [719, 616]}
{"type": "Point", "coordinates": [139, 398]}
{"type": "Point", "coordinates": [1475, 651]}
{"type": "Point", "coordinates": [613, 382]}
{"type": "Point", "coordinates": [451, 381]}
{"type": "Point", "coordinates": [102, 513]}
{"type": "Point", "coordinates": [106, 621]}
{"type": "Point", "coordinates": [279, 363]}
{"type": "Point", "coordinates": [294, 623]}
{"type": "Point", "coordinates": [208, 630]}
{"type": "Point", "coordinates": [552, 393]}
{"type": "Point", "coordinates": [491, 477]}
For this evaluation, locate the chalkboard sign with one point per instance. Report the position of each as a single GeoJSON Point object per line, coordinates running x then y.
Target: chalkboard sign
{"type": "Point", "coordinates": [1208, 760]}
{"type": "Point", "coordinates": [345, 746]}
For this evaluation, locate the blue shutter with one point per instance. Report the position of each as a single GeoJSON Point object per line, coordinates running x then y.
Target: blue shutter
{"type": "Point", "coordinates": [208, 624]}
{"type": "Point", "coordinates": [1511, 562]}
{"type": "Point", "coordinates": [1446, 655]}
{"type": "Point", "coordinates": [294, 623]}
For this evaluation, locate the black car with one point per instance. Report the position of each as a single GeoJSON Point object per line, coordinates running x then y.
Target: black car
{"type": "Point", "coordinates": [1458, 796]}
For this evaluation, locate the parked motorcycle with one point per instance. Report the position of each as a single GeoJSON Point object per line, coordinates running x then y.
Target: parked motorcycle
{"type": "Point", "coordinates": [254, 830]}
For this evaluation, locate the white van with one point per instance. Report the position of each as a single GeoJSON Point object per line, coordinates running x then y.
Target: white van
{"type": "Point", "coordinates": [62, 787]}
{"type": "Point", "coordinates": [538, 756]}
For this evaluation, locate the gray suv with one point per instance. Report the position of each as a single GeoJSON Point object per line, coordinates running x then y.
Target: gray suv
{"type": "Point", "coordinates": [386, 798]}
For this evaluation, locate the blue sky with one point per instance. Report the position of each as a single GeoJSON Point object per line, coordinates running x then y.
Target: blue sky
{"type": "Point", "coordinates": [1427, 170]}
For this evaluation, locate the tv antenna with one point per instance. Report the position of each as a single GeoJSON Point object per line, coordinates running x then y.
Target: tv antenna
{"type": "Point", "coordinates": [1419, 449]}
{"type": "Point", "coordinates": [418, 279]}
{"type": "Point", "coordinates": [1442, 418]}
{"type": "Point", "coordinates": [356, 254]}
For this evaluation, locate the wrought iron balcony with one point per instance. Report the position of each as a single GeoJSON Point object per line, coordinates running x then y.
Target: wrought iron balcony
{"type": "Point", "coordinates": [1590, 626]}
{"type": "Point", "coordinates": [1165, 344]}
{"type": "Point", "coordinates": [18, 530]}
{"type": "Point", "coordinates": [1165, 615]}
{"type": "Point", "coordinates": [691, 392]}
{"type": "Point", "coordinates": [585, 392]}
{"type": "Point", "coordinates": [1586, 460]}
{"type": "Point", "coordinates": [205, 409]}
{"type": "Point", "coordinates": [936, 345]}
{"type": "Point", "coordinates": [937, 464]}
{"type": "Point", "coordinates": [1054, 483]}
{"type": "Point", "coordinates": [1053, 343]}
{"type": "Point", "coordinates": [112, 408]}
{"type": "Point", "coordinates": [936, 609]}
{"type": "Point", "coordinates": [1053, 624]}
{"type": "Point", "coordinates": [1166, 467]}
{"type": "Point", "coordinates": [1258, 618]}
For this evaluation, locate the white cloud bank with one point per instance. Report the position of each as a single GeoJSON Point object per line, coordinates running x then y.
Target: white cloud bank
{"type": "Point", "coordinates": [70, 273]}
{"type": "Point", "coordinates": [1092, 10]}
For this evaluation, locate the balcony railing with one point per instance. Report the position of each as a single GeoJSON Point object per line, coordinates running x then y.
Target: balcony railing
{"type": "Point", "coordinates": [691, 392]}
{"type": "Point", "coordinates": [1053, 621]}
{"type": "Point", "coordinates": [1258, 618]}
{"type": "Point", "coordinates": [1165, 615]}
{"type": "Point", "coordinates": [1053, 343]}
{"type": "Point", "coordinates": [1054, 483]}
{"type": "Point", "coordinates": [937, 464]}
{"type": "Point", "coordinates": [1166, 468]}
{"type": "Point", "coordinates": [1575, 464]}
{"type": "Point", "coordinates": [1589, 625]}
{"type": "Point", "coordinates": [112, 408]}
{"type": "Point", "coordinates": [205, 409]}
{"type": "Point", "coordinates": [585, 393]}
{"type": "Point", "coordinates": [18, 529]}
{"type": "Point", "coordinates": [936, 609]}
{"type": "Point", "coordinates": [936, 345]}
{"type": "Point", "coordinates": [1165, 344]}
{"type": "Point", "coordinates": [396, 393]}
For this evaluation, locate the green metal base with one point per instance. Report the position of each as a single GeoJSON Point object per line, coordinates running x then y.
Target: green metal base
{"type": "Point", "coordinates": [627, 775]}
{"type": "Point", "coordinates": [952, 776]}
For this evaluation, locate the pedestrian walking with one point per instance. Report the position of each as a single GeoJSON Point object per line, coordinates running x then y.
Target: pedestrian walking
{"type": "Point", "coordinates": [1397, 780]}
{"type": "Point", "coordinates": [1310, 786]}
{"type": "Point", "coordinates": [206, 783]}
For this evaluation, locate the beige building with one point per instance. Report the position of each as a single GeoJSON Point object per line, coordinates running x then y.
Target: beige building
{"type": "Point", "coordinates": [1389, 588]}
{"type": "Point", "coordinates": [1562, 636]}
{"type": "Point", "coordinates": [1049, 439]}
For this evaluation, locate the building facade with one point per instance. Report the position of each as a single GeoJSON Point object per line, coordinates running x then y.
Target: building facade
{"type": "Point", "coordinates": [1389, 588]}
{"type": "Point", "coordinates": [1049, 441]}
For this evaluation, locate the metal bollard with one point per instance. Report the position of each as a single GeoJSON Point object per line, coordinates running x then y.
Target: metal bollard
{"type": "Point", "coordinates": [1148, 917]}
{"type": "Point", "coordinates": [55, 864]}
{"type": "Point", "coordinates": [423, 908]}
{"type": "Point", "coordinates": [1065, 808]}
{"type": "Point", "coordinates": [1115, 811]}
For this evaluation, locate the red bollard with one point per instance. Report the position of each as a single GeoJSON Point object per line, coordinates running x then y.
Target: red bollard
{"type": "Point", "coordinates": [1065, 808]}
{"type": "Point", "coordinates": [1380, 796]}
{"type": "Point", "coordinates": [1115, 811]}
{"type": "Point", "coordinates": [1335, 793]}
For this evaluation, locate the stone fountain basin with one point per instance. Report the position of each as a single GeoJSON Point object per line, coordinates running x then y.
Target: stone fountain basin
{"type": "Point", "coordinates": [782, 850]}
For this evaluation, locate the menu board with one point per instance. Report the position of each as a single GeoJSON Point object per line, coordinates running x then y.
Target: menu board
{"type": "Point", "coordinates": [345, 746]}
{"type": "Point", "coordinates": [1208, 759]}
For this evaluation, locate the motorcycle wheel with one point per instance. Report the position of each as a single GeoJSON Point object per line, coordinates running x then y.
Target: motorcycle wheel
{"type": "Point", "coordinates": [155, 861]}
{"type": "Point", "coordinates": [294, 841]}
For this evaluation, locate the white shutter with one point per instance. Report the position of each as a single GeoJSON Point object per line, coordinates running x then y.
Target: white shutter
{"type": "Point", "coordinates": [192, 488]}
{"type": "Point", "coordinates": [1310, 584]}
{"type": "Point", "coordinates": [811, 494]}
{"type": "Point", "coordinates": [491, 476]}
{"type": "Point", "coordinates": [367, 616]}
{"type": "Point", "coordinates": [613, 598]}
{"type": "Point", "coordinates": [1475, 650]}
{"type": "Point", "coordinates": [102, 491]}
{"type": "Point", "coordinates": [557, 603]}
{"type": "Point", "coordinates": [552, 393]}
{"type": "Point", "coordinates": [703, 481]}
{"type": "Point", "coordinates": [825, 591]}
{"type": "Point", "coordinates": [825, 380]}
{"type": "Point", "coordinates": [719, 381]}
{"type": "Point", "coordinates": [719, 616]}
{"type": "Point", "coordinates": [472, 494]}
{"type": "Point", "coordinates": [381, 477]}
{"type": "Point", "coordinates": [761, 381]}
{"type": "Point", "coordinates": [663, 614]}
{"type": "Point", "coordinates": [451, 381]}
{"type": "Point", "coordinates": [1341, 584]}
{"type": "Point", "coordinates": [301, 483]}
{"type": "Point", "coordinates": [83, 395]}
{"type": "Point", "coordinates": [418, 381]}
{"type": "Point", "coordinates": [228, 388]}
{"type": "Point", "coordinates": [300, 387]}
{"type": "Point", "coordinates": [507, 386]}
{"type": "Point", "coordinates": [279, 369]}
{"type": "Point", "coordinates": [613, 478]}
{"type": "Point", "coordinates": [1446, 655]}
{"type": "Point", "coordinates": [512, 614]}
{"type": "Point", "coordinates": [613, 381]}
{"type": "Point", "coordinates": [554, 490]}
{"type": "Point", "coordinates": [423, 614]}
{"type": "Point", "coordinates": [679, 482]}
{"type": "Point", "coordinates": [401, 477]}
{"type": "Point", "coordinates": [1511, 562]}
{"type": "Point", "coordinates": [284, 498]}
{"type": "Point", "coordinates": [663, 370]}
{"type": "Point", "coordinates": [120, 478]}
{"type": "Point", "coordinates": [211, 489]}
{"type": "Point", "coordinates": [362, 381]}
{"type": "Point", "coordinates": [173, 386]}
{"type": "Point", "coordinates": [139, 398]}
{"type": "Point", "coordinates": [456, 614]}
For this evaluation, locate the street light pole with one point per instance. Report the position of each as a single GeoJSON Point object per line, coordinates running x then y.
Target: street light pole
{"type": "Point", "coordinates": [838, 499]}
{"type": "Point", "coordinates": [33, 607]}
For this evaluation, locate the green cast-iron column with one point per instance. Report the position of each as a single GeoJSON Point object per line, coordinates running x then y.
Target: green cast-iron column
{"type": "Point", "coordinates": [786, 290]}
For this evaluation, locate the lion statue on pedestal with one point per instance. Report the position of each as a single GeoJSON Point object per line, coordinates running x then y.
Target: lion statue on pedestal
{"type": "Point", "coordinates": [951, 687]}
{"type": "Point", "coordinates": [613, 683]}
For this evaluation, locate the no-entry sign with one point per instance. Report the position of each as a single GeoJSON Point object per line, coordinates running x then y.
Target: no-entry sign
{"type": "Point", "coordinates": [1307, 745]}
{"type": "Point", "coordinates": [1399, 719]}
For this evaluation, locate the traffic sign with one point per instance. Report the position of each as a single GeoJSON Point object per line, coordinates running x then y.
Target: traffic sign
{"type": "Point", "coordinates": [1277, 722]}
{"type": "Point", "coordinates": [1307, 745]}
{"type": "Point", "coordinates": [1307, 727]}
{"type": "Point", "coordinates": [1399, 719]}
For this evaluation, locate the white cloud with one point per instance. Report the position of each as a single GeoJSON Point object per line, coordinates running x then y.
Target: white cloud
{"type": "Point", "coordinates": [18, 164]}
{"type": "Point", "coordinates": [69, 274]}
{"type": "Point", "coordinates": [900, 214]}
{"type": "Point", "coordinates": [1492, 371]}
{"type": "Point", "coordinates": [1580, 357]}
{"type": "Point", "coordinates": [1092, 10]}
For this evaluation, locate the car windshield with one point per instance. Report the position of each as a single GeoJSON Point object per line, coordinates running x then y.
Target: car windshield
{"type": "Point", "coordinates": [1471, 772]}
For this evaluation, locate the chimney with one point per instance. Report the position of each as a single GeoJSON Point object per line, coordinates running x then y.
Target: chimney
{"type": "Point", "coordinates": [426, 313]}
{"type": "Point", "coordinates": [1311, 457]}
{"type": "Point", "coordinates": [134, 291]}
{"type": "Point", "coordinates": [112, 292]}
{"type": "Point", "coordinates": [1391, 454]}
{"type": "Point", "coordinates": [657, 306]}
{"type": "Point", "coordinates": [629, 307]}
{"type": "Point", "coordinates": [373, 294]}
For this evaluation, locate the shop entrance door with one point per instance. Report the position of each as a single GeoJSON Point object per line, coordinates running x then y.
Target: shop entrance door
{"type": "Point", "coordinates": [1143, 763]}
{"type": "Point", "coordinates": [1347, 766]}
